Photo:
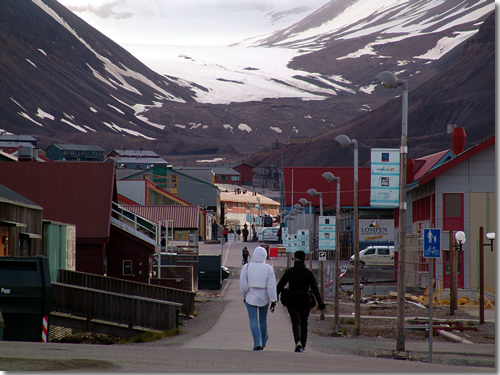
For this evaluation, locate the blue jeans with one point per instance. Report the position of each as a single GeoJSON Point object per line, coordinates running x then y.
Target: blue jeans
{"type": "Point", "coordinates": [258, 324]}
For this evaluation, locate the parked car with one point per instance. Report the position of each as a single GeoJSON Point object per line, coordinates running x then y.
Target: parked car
{"type": "Point", "coordinates": [268, 234]}
{"type": "Point", "coordinates": [225, 272]}
{"type": "Point", "coordinates": [375, 256]}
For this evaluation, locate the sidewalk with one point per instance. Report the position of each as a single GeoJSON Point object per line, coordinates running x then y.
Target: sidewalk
{"type": "Point", "coordinates": [232, 330]}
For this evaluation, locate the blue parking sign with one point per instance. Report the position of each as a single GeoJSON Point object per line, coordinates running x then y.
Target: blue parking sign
{"type": "Point", "coordinates": [432, 243]}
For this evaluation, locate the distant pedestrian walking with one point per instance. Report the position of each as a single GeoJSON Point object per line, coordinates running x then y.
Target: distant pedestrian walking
{"type": "Point", "coordinates": [245, 233]}
{"type": "Point", "coordinates": [245, 254]}
{"type": "Point", "coordinates": [301, 283]}
{"type": "Point", "coordinates": [258, 289]}
{"type": "Point", "coordinates": [225, 233]}
{"type": "Point", "coordinates": [238, 233]}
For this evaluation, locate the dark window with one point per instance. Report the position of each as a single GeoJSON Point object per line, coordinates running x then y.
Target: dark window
{"type": "Point", "coordinates": [127, 268]}
{"type": "Point", "coordinates": [383, 251]}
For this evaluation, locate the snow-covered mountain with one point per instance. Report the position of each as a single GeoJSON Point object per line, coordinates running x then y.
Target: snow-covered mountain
{"type": "Point", "coordinates": [190, 22]}
{"type": "Point", "coordinates": [258, 67]}
{"type": "Point", "coordinates": [65, 82]}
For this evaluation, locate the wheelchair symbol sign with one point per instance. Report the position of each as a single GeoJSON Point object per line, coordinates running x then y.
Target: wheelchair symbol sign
{"type": "Point", "coordinates": [432, 243]}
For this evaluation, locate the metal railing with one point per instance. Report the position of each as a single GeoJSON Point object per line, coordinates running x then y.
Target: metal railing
{"type": "Point", "coordinates": [135, 224]}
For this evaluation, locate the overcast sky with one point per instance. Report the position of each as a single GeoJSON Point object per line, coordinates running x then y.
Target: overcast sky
{"type": "Point", "coordinates": [192, 22]}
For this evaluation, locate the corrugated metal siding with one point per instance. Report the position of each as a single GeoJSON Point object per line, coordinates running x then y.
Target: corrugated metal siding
{"type": "Point", "coordinates": [307, 178]}
{"type": "Point", "coordinates": [483, 176]}
{"type": "Point", "coordinates": [196, 191]}
{"type": "Point", "coordinates": [182, 216]}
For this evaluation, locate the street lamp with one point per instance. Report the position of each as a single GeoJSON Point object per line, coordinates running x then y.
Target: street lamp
{"type": "Point", "coordinates": [314, 193]}
{"type": "Point", "coordinates": [491, 237]}
{"type": "Point", "coordinates": [345, 142]}
{"type": "Point", "coordinates": [330, 178]}
{"type": "Point", "coordinates": [298, 208]}
{"type": "Point", "coordinates": [391, 81]}
{"type": "Point", "coordinates": [303, 202]}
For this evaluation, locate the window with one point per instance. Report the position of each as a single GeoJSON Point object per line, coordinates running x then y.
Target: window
{"type": "Point", "coordinates": [453, 211]}
{"type": "Point", "coordinates": [223, 178]}
{"type": "Point", "coordinates": [127, 268]}
{"type": "Point", "coordinates": [453, 205]}
{"type": "Point", "coordinates": [370, 251]}
{"type": "Point", "coordinates": [235, 178]}
{"type": "Point", "coordinates": [173, 181]}
{"type": "Point", "coordinates": [384, 251]}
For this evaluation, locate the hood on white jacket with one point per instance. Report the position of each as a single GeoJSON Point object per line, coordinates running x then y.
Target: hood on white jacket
{"type": "Point", "coordinates": [259, 255]}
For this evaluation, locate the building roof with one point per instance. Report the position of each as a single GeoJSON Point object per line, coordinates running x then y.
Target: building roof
{"type": "Point", "coordinates": [182, 216]}
{"type": "Point", "coordinates": [77, 193]}
{"type": "Point", "coordinates": [248, 197]}
{"type": "Point", "coordinates": [425, 164]}
{"type": "Point", "coordinates": [217, 169]}
{"type": "Point", "coordinates": [467, 154]}
{"type": "Point", "coordinates": [17, 138]}
{"type": "Point", "coordinates": [10, 196]}
{"type": "Point", "coordinates": [73, 147]}
{"type": "Point", "coordinates": [136, 153]}
{"type": "Point", "coordinates": [137, 160]}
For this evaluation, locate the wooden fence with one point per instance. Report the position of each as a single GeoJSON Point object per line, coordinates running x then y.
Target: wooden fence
{"type": "Point", "coordinates": [132, 288]}
{"type": "Point", "coordinates": [132, 311]}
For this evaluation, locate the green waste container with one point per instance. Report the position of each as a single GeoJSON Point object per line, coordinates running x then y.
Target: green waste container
{"type": "Point", "coordinates": [209, 272]}
{"type": "Point", "coordinates": [25, 298]}
{"type": "Point", "coordinates": [1, 326]}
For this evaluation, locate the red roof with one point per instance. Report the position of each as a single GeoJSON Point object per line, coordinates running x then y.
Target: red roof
{"type": "Point", "coordinates": [424, 164]}
{"type": "Point", "coordinates": [77, 193]}
{"type": "Point", "coordinates": [305, 178]}
{"type": "Point", "coordinates": [467, 154]}
{"type": "Point", "coordinates": [182, 216]}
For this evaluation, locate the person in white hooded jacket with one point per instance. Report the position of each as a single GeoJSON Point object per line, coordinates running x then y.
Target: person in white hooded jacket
{"type": "Point", "coordinates": [258, 289]}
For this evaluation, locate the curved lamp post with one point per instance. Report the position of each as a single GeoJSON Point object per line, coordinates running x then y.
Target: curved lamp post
{"type": "Point", "coordinates": [298, 209]}
{"type": "Point", "coordinates": [391, 81]}
{"type": "Point", "coordinates": [330, 178]}
{"type": "Point", "coordinates": [345, 142]}
{"type": "Point", "coordinates": [314, 193]}
{"type": "Point", "coordinates": [303, 202]}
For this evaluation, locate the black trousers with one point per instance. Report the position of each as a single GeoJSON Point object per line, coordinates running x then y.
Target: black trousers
{"type": "Point", "coordinates": [299, 316]}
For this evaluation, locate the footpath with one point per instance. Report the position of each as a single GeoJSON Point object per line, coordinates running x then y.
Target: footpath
{"type": "Point", "coordinates": [225, 347]}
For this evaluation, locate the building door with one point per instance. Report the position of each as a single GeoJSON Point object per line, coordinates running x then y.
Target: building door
{"type": "Point", "coordinates": [453, 220]}
{"type": "Point", "coordinates": [447, 268]}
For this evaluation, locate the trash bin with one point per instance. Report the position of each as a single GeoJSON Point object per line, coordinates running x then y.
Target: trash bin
{"type": "Point", "coordinates": [1, 326]}
{"type": "Point", "coordinates": [209, 272]}
{"type": "Point", "coordinates": [25, 298]}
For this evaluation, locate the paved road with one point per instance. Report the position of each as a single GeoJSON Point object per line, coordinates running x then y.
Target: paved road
{"type": "Point", "coordinates": [226, 347]}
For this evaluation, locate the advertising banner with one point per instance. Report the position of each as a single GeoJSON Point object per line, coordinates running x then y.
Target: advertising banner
{"type": "Point", "coordinates": [303, 240]}
{"type": "Point", "coordinates": [384, 177]}
{"type": "Point", "coordinates": [327, 232]}
{"type": "Point", "coordinates": [376, 230]}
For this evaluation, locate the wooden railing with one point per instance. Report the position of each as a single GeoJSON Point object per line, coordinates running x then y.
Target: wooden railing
{"type": "Point", "coordinates": [132, 288]}
{"type": "Point", "coordinates": [94, 304]}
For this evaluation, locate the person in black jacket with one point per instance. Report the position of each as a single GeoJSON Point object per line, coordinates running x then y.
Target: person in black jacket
{"type": "Point", "coordinates": [300, 280]}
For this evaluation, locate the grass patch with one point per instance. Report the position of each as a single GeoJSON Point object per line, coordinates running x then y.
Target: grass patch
{"type": "Point", "coordinates": [150, 336]}
{"type": "Point", "coordinates": [346, 321]}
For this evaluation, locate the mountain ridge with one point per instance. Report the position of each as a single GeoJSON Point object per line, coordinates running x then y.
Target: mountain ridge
{"type": "Point", "coordinates": [64, 82]}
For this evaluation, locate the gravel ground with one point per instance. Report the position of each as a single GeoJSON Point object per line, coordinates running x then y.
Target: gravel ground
{"type": "Point", "coordinates": [378, 334]}
{"type": "Point", "coordinates": [378, 330]}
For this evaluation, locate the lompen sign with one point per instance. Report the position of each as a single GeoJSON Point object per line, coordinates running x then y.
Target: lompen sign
{"type": "Point", "coordinates": [384, 190]}
{"type": "Point", "coordinates": [379, 230]}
